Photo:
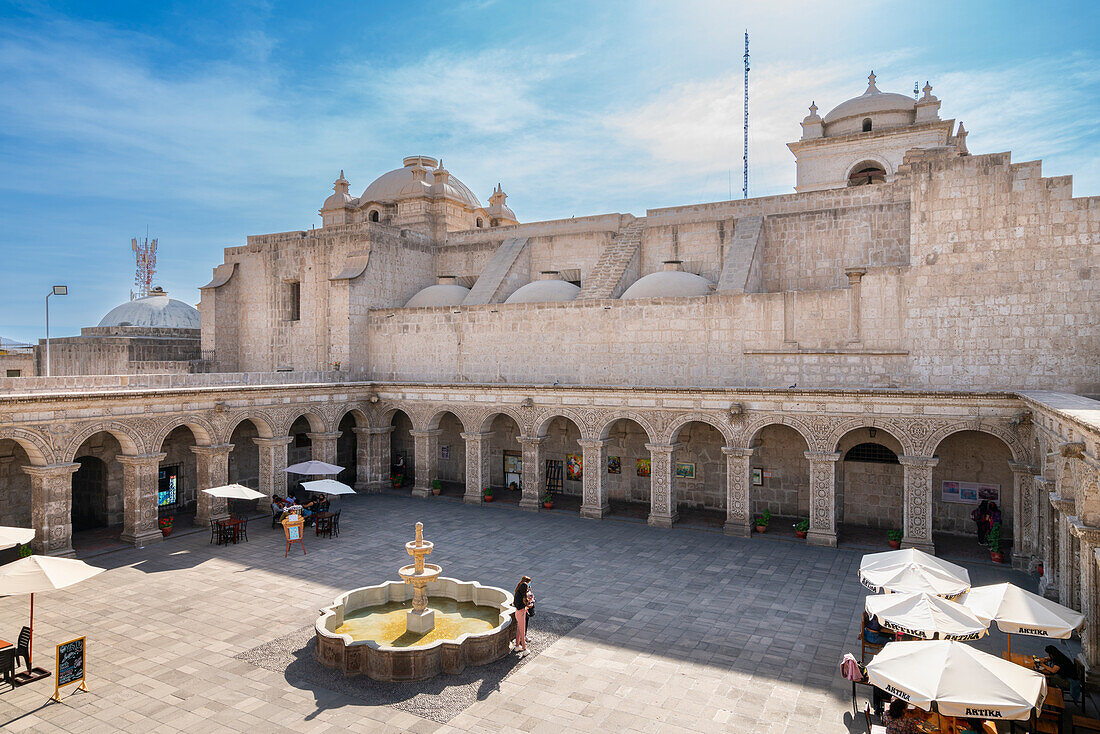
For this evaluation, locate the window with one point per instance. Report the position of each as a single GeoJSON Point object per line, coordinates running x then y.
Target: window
{"type": "Point", "coordinates": [15, 373]}
{"type": "Point", "coordinates": [168, 484]}
{"type": "Point", "coordinates": [865, 173]}
{"type": "Point", "coordinates": [871, 453]}
{"type": "Point", "coordinates": [867, 125]}
{"type": "Point", "coordinates": [374, 215]}
{"type": "Point", "coordinates": [293, 300]}
{"type": "Point", "coordinates": [480, 224]}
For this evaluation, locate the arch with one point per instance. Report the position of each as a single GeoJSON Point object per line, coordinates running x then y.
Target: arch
{"type": "Point", "coordinates": [845, 427]}
{"type": "Point", "coordinates": [373, 216]}
{"type": "Point", "coordinates": [1015, 447]}
{"type": "Point", "coordinates": [867, 161]}
{"type": "Point", "coordinates": [480, 223]}
{"type": "Point", "coordinates": [867, 124]}
{"type": "Point", "coordinates": [541, 424]}
{"type": "Point", "coordinates": [316, 422]}
{"type": "Point", "coordinates": [265, 426]}
{"type": "Point", "coordinates": [34, 444]}
{"type": "Point", "coordinates": [127, 438]}
{"type": "Point", "coordinates": [437, 417]}
{"type": "Point", "coordinates": [485, 421]}
{"type": "Point", "coordinates": [673, 430]}
{"type": "Point", "coordinates": [605, 426]}
{"type": "Point", "coordinates": [361, 419]}
{"type": "Point", "coordinates": [755, 425]}
{"type": "Point", "coordinates": [201, 429]}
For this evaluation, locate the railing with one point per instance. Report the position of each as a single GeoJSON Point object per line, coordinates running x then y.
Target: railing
{"type": "Point", "coordinates": [12, 386]}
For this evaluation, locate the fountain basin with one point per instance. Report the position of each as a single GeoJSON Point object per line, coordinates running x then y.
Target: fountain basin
{"type": "Point", "coordinates": [404, 657]}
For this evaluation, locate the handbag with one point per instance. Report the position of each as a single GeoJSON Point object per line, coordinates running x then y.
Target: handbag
{"type": "Point", "coordinates": [530, 610]}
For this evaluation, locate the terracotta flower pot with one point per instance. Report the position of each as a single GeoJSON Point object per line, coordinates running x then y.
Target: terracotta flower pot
{"type": "Point", "coordinates": [548, 505]}
{"type": "Point", "coordinates": [436, 491]}
{"type": "Point", "coordinates": [800, 533]}
{"type": "Point", "coordinates": [895, 544]}
{"type": "Point", "coordinates": [761, 528]}
{"type": "Point", "coordinates": [997, 557]}
{"type": "Point", "coordinates": [487, 497]}
{"type": "Point", "coordinates": [166, 532]}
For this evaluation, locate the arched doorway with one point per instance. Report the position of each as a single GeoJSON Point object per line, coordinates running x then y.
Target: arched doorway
{"type": "Point", "coordinates": [973, 466]}
{"type": "Point", "coordinates": [779, 480]}
{"type": "Point", "coordinates": [563, 466]}
{"type": "Point", "coordinates": [870, 486]}
{"type": "Point", "coordinates": [450, 460]}
{"type": "Point", "coordinates": [15, 485]}
{"type": "Point", "coordinates": [628, 469]}
{"type": "Point", "coordinates": [402, 454]}
{"type": "Point", "coordinates": [176, 480]}
{"type": "Point", "coordinates": [244, 459]}
{"type": "Point", "coordinates": [98, 498]}
{"type": "Point", "coordinates": [347, 450]}
{"type": "Point", "coordinates": [699, 475]}
{"type": "Point", "coordinates": [505, 459]}
{"type": "Point", "coordinates": [89, 506]}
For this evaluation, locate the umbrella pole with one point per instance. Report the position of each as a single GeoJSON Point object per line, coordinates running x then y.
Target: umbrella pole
{"type": "Point", "coordinates": [30, 643]}
{"type": "Point", "coordinates": [1009, 635]}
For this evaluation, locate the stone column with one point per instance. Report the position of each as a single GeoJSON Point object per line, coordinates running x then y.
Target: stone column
{"type": "Point", "coordinates": [211, 470]}
{"type": "Point", "coordinates": [52, 508]}
{"type": "Point", "coordinates": [738, 483]}
{"type": "Point", "coordinates": [323, 446]}
{"type": "Point", "coordinates": [662, 493]}
{"type": "Point", "coordinates": [139, 498]}
{"type": "Point", "coordinates": [532, 472]}
{"type": "Point", "coordinates": [426, 454]}
{"type": "Point", "coordinates": [273, 465]}
{"type": "Point", "coordinates": [1023, 509]}
{"type": "Point", "coordinates": [1089, 540]}
{"type": "Point", "coordinates": [917, 497]}
{"type": "Point", "coordinates": [1063, 510]}
{"type": "Point", "coordinates": [1048, 547]}
{"type": "Point", "coordinates": [594, 502]}
{"type": "Point", "coordinates": [372, 458]}
{"type": "Point", "coordinates": [822, 498]}
{"type": "Point", "coordinates": [855, 276]}
{"type": "Point", "coordinates": [477, 465]}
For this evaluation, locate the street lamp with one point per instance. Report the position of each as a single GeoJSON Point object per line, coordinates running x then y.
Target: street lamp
{"type": "Point", "coordinates": [58, 290]}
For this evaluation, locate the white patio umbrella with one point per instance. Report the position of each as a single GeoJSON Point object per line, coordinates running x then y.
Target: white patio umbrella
{"type": "Point", "coordinates": [35, 574]}
{"type": "Point", "coordinates": [926, 616]}
{"type": "Point", "coordinates": [234, 492]}
{"type": "Point", "coordinates": [311, 467]}
{"type": "Point", "coordinates": [912, 571]}
{"type": "Point", "coordinates": [1020, 612]}
{"type": "Point", "coordinates": [10, 536]}
{"type": "Point", "coordinates": [958, 679]}
{"type": "Point", "coordinates": [328, 486]}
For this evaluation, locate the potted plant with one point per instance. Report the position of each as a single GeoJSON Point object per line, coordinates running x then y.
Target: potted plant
{"type": "Point", "coordinates": [548, 501]}
{"type": "Point", "coordinates": [513, 486]}
{"type": "Point", "coordinates": [437, 486]}
{"type": "Point", "coordinates": [25, 551]}
{"type": "Point", "coordinates": [801, 528]}
{"type": "Point", "coordinates": [166, 526]}
{"type": "Point", "coordinates": [395, 479]}
{"type": "Point", "coordinates": [894, 536]}
{"type": "Point", "coordinates": [762, 521]}
{"type": "Point", "coordinates": [487, 494]}
{"type": "Point", "coordinates": [993, 540]}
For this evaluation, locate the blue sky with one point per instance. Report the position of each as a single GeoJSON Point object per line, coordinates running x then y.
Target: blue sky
{"type": "Point", "coordinates": [209, 121]}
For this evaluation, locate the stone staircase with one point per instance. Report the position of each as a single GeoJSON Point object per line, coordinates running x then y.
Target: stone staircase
{"type": "Point", "coordinates": [488, 283]}
{"type": "Point", "coordinates": [737, 270]}
{"type": "Point", "coordinates": [606, 277]}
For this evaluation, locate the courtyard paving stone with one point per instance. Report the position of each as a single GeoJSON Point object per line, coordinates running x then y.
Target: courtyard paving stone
{"type": "Point", "coordinates": [683, 630]}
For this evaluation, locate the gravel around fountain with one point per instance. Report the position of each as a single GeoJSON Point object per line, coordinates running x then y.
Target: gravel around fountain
{"type": "Point", "coordinates": [437, 699]}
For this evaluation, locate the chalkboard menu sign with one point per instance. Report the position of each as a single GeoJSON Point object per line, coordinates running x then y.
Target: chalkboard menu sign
{"type": "Point", "coordinates": [70, 665]}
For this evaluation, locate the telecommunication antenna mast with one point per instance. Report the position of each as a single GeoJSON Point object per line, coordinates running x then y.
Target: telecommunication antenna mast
{"type": "Point", "coordinates": [745, 159]}
{"type": "Point", "coordinates": [145, 255]}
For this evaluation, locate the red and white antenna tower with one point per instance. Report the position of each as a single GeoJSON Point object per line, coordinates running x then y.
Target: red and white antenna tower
{"type": "Point", "coordinates": [145, 254]}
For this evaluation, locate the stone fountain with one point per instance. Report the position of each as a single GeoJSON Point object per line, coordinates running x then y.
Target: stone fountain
{"type": "Point", "coordinates": [415, 628]}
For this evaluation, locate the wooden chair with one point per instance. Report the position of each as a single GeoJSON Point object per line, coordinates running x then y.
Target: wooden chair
{"type": "Point", "coordinates": [242, 529]}
{"type": "Point", "coordinates": [1084, 723]}
{"type": "Point", "coordinates": [323, 526]}
{"type": "Point", "coordinates": [872, 728]}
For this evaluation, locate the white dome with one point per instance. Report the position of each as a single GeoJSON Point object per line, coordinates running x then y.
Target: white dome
{"type": "Point", "coordinates": [872, 102]}
{"type": "Point", "coordinates": [338, 201]}
{"type": "Point", "coordinates": [158, 311]}
{"type": "Point", "coordinates": [668, 284]}
{"type": "Point", "coordinates": [544, 291]}
{"type": "Point", "coordinates": [439, 295]}
{"type": "Point", "coordinates": [400, 182]}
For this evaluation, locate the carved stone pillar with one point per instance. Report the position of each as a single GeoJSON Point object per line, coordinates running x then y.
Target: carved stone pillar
{"type": "Point", "coordinates": [139, 498]}
{"type": "Point", "coordinates": [426, 453]}
{"type": "Point", "coordinates": [477, 465]}
{"type": "Point", "coordinates": [532, 472]}
{"type": "Point", "coordinates": [1023, 514]}
{"type": "Point", "coordinates": [822, 498]}
{"type": "Point", "coordinates": [211, 470]}
{"type": "Point", "coordinates": [323, 446]}
{"type": "Point", "coordinates": [662, 493]}
{"type": "Point", "coordinates": [52, 508]}
{"type": "Point", "coordinates": [372, 458]}
{"type": "Point", "coordinates": [1089, 540]}
{"type": "Point", "coordinates": [1067, 579]}
{"type": "Point", "coordinates": [855, 276]}
{"type": "Point", "coordinates": [594, 502]}
{"type": "Point", "coordinates": [273, 465]}
{"type": "Point", "coordinates": [918, 502]}
{"type": "Point", "coordinates": [738, 482]}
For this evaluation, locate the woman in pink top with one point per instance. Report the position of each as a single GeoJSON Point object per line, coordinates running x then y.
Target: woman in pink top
{"type": "Point", "coordinates": [523, 601]}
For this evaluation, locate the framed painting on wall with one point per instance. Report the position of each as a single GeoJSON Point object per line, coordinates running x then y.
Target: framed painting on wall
{"type": "Point", "coordinates": [444, 452]}
{"type": "Point", "coordinates": [614, 465]}
{"type": "Point", "coordinates": [643, 467]}
{"type": "Point", "coordinates": [574, 467]}
{"type": "Point", "coordinates": [685, 471]}
{"type": "Point", "coordinates": [757, 477]}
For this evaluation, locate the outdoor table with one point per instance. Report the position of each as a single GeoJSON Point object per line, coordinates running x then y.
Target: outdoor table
{"type": "Point", "coordinates": [229, 531]}
{"type": "Point", "coordinates": [322, 523]}
{"type": "Point", "coordinates": [1055, 702]}
{"type": "Point", "coordinates": [4, 644]}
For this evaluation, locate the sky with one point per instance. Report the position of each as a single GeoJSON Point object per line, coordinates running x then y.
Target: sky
{"type": "Point", "coordinates": [204, 122]}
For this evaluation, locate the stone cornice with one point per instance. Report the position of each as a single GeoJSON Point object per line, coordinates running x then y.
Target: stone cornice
{"type": "Point", "coordinates": [1086, 533]}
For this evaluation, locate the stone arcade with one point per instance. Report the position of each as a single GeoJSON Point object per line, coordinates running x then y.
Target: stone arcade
{"type": "Point", "coordinates": [913, 314]}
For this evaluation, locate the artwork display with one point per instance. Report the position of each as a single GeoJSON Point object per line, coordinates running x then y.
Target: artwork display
{"type": "Point", "coordinates": [969, 493]}
{"type": "Point", "coordinates": [643, 467]}
{"type": "Point", "coordinates": [757, 477]}
{"type": "Point", "coordinates": [685, 471]}
{"type": "Point", "coordinates": [444, 452]}
{"type": "Point", "coordinates": [614, 465]}
{"type": "Point", "coordinates": [513, 464]}
{"type": "Point", "coordinates": [574, 467]}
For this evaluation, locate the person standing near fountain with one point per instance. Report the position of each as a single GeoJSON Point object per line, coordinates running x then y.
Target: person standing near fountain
{"type": "Point", "coordinates": [524, 600]}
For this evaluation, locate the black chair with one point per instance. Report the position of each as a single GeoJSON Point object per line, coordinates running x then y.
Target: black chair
{"type": "Point", "coordinates": [242, 530]}
{"type": "Point", "coordinates": [336, 523]}
{"type": "Point", "coordinates": [7, 665]}
{"type": "Point", "coordinates": [23, 646]}
{"type": "Point", "coordinates": [213, 531]}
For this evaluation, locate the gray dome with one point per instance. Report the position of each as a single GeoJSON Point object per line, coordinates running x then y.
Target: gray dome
{"type": "Point", "coordinates": [439, 295]}
{"type": "Point", "coordinates": [544, 291]}
{"type": "Point", "coordinates": [400, 182]}
{"type": "Point", "coordinates": [668, 284]}
{"type": "Point", "coordinates": [157, 311]}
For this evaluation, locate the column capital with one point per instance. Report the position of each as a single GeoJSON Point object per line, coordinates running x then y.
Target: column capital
{"type": "Point", "coordinates": [738, 451]}
{"type": "Point", "coordinates": [662, 448]}
{"type": "Point", "coordinates": [593, 443]}
{"type": "Point", "coordinates": [1019, 467]}
{"type": "Point", "coordinates": [1062, 504]}
{"type": "Point", "coordinates": [1087, 533]}
{"type": "Point", "coordinates": [476, 436]}
{"type": "Point", "coordinates": [322, 435]}
{"type": "Point", "coordinates": [273, 442]}
{"type": "Point", "coordinates": [213, 450]}
{"type": "Point", "coordinates": [427, 434]}
{"type": "Point", "coordinates": [531, 440]}
{"type": "Point", "coordinates": [140, 459]}
{"type": "Point", "coordinates": [918, 460]}
{"type": "Point", "coordinates": [855, 275]}
{"type": "Point", "coordinates": [822, 456]}
{"type": "Point", "coordinates": [51, 470]}
{"type": "Point", "coordinates": [372, 431]}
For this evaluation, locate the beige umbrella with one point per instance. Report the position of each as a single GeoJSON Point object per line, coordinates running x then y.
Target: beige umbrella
{"type": "Point", "coordinates": [926, 616]}
{"type": "Point", "coordinates": [912, 571]}
{"type": "Point", "coordinates": [313, 467]}
{"type": "Point", "coordinates": [35, 574]}
{"type": "Point", "coordinates": [328, 486]}
{"type": "Point", "coordinates": [15, 536]}
{"type": "Point", "coordinates": [1020, 612]}
{"type": "Point", "coordinates": [234, 492]}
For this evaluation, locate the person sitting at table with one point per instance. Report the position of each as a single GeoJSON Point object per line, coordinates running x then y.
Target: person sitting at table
{"type": "Point", "coordinates": [276, 505]}
{"type": "Point", "coordinates": [1057, 667]}
{"type": "Point", "coordinates": [897, 720]}
{"type": "Point", "coordinates": [873, 633]}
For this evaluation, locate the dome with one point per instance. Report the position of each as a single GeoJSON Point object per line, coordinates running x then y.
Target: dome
{"type": "Point", "coordinates": [544, 291]}
{"type": "Point", "coordinates": [870, 102]}
{"type": "Point", "coordinates": [401, 182]}
{"type": "Point", "coordinates": [668, 284]}
{"type": "Point", "coordinates": [156, 310]}
{"type": "Point", "coordinates": [338, 201]}
{"type": "Point", "coordinates": [439, 295]}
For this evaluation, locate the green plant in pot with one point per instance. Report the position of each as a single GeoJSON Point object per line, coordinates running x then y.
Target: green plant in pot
{"type": "Point", "coordinates": [437, 486]}
{"type": "Point", "coordinates": [801, 528]}
{"type": "Point", "coordinates": [762, 521]}
{"type": "Point", "coordinates": [993, 540]}
{"type": "Point", "coordinates": [548, 501]}
{"type": "Point", "coordinates": [487, 494]}
{"type": "Point", "coordinates": [395, 479]}
{"type": "Point", "coordinates": [894, 536]}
